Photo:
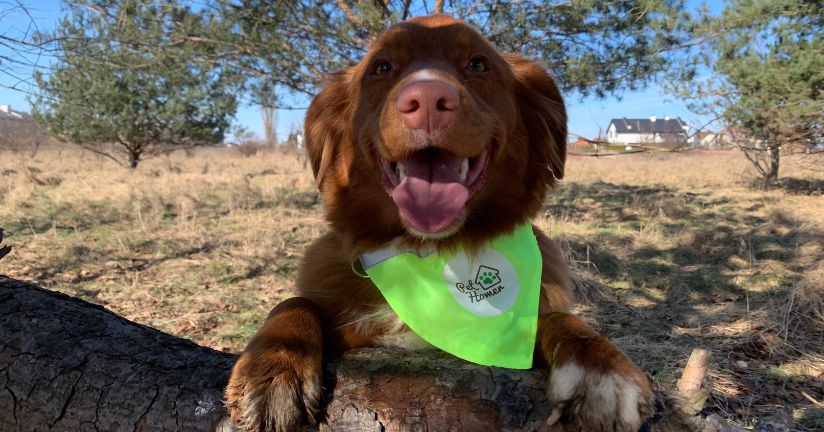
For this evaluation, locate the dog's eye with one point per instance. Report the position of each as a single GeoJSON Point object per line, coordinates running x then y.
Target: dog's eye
{"type": "Point", "coordinates": [382, 68]}
{"type": "Point", "coordinates": [477, 64]}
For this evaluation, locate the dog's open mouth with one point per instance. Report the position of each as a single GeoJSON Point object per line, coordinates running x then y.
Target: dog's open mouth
{"type": "Point", "coordinates": [432, 186]}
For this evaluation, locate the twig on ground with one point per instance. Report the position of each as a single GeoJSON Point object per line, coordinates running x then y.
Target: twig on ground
{"type": "Point", "coordinates": [690, 384]}
{"type": "Point", "coordinates": [812, 399]}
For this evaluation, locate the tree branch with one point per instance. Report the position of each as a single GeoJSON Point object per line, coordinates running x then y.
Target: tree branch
{"type": "Point", "coordinates": [91, 148]}
{"type": "Point", "coordinates": [350, 15]}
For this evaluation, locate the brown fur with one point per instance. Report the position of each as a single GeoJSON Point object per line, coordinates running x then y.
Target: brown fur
{"type": "Point", "coordinates": [516, 111]}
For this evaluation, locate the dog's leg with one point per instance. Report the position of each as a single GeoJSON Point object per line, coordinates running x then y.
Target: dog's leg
{"type": "Point", "coordinates": [276, 382]}
{"type": "Point", "coordinates": [592, 385]}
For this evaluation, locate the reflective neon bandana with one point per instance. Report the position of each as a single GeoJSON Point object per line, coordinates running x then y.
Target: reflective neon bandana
{"type": "Point", "coordinates": [482, 308]}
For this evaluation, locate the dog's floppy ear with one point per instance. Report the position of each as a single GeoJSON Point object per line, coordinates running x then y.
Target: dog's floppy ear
{"type": "Point", "coordinates": [544, 115]}
{"type": "Point", "coordinates": [327, 124]}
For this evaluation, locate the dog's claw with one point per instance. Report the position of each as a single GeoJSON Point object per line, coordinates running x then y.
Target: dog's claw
{"type": "Point", "coordinates": [281, 398]}
{"type": "Point", "coordinates": [599, 400]}
{"type": "Point", "coordinates": [554, 416]}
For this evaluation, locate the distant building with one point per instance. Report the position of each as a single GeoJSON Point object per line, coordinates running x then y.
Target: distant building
{"type": "Point", "coordinates": [6, 113]}
{"type": "Point", "coordinates": [733, 137]}
{"type": "Point", "coordinates": [704, 139]}
{"type": "Point", "coordinates": [18, 131]}
{"type": "Point", "coordinates": [294, 140]}
{"type": "Point", "coordinates": [582, 144]}
{"type": "Point", "coordinates": [651, 131]}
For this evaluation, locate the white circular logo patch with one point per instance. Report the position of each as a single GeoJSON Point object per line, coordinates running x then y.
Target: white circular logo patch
{"type": "Point", "coordinates": [486, 285]}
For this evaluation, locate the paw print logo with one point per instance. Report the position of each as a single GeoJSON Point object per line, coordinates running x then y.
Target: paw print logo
{"type": "Point", "coordinates": [487, 277]}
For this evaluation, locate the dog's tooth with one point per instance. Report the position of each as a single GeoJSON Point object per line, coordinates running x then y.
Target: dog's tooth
{"type": "Point", "coordinates": [401, 170]}
{"type": "Point", "coordinates": [464, 169]}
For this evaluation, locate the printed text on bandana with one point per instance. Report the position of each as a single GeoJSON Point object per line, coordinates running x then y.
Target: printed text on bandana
{"type": "Point", "coordinates": [486, 285]}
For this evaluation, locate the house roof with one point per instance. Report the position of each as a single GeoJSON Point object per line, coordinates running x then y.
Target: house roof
{"type": "Point", "coordinates": [6, 113]}
{"type": "Point", "coordinates": [645, 125]}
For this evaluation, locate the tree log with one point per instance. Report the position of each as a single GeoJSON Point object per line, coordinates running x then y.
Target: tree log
{"type": "Point", "coordinates": [66, 364]}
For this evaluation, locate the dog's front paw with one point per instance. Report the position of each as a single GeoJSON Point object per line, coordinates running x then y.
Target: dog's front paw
{"type": "Point", "coordinates": [274, 390]}
{"type": "Point", "coordinates": [606, 397]}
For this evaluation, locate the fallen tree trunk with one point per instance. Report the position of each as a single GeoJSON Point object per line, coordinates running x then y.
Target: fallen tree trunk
{"type": "Point", "coordinates": [66, 364]}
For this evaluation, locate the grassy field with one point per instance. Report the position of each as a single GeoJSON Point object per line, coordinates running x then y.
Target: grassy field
{"type": "Point", "coordinates": [670, 252]}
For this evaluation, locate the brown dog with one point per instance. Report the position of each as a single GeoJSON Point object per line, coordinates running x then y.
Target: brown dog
{"type": "Point", "coordinates": [438, 140]}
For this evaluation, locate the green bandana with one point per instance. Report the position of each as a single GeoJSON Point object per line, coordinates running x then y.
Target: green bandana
{"type": "Point", "coordinates": [481, 308]}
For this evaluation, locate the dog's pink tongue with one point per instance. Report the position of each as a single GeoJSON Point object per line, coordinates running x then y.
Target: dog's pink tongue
{"type": "Point", "coordinates": [431, 196]}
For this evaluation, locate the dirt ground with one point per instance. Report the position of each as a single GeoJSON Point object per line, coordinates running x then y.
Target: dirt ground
{"type": "Point", "coordinates": [670, 251]}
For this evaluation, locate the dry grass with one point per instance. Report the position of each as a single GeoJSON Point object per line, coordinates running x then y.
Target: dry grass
{"type": "Point", "coordinates": [199, 246]}
{"type": "Point", "coordinates": [671, 252]}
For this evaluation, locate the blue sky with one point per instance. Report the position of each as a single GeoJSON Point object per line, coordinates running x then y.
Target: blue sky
{"type": "Point", "coordinates": [586, 116]}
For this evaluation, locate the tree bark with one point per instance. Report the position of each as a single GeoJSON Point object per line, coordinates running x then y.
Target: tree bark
{"type": "Point", "coordinates": [775, 159]}
{"type": "Point", "coordinates": [69, 365]}
{"type": "Point", "coordinates": [66, 364]}
{"type": "Point", "coordinates": [134, 159]}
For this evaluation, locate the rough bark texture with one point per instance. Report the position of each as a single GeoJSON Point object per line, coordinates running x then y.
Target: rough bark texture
{"type": "Point", "coordinates": [69, 365]}
{"type": "Point", "coordinates": [392, 391]}
{"type": "Point", "coordinates": [66, 364]}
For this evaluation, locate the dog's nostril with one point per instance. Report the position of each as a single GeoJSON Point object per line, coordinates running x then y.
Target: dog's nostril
{"type": "Point", "coordinates": [408, 105]}
{"type": "Point", "coordinates": [429, 105]}
{"type": "Point", "coordinates": [445, 105]}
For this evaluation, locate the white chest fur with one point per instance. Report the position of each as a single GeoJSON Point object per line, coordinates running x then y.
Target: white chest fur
{"type": "Point", "coordinates": [391, 330]}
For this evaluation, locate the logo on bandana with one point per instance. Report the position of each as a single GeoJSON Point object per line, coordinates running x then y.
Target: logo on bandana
{"type": "Point", "coordinates": [486, 285]}
{"type": "Point", "coordinates": [487, 277]}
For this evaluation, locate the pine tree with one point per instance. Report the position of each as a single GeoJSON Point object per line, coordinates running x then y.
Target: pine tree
{"type": "Point", "coordinates": [121, 87]}
{"type": "Point", "coordinates": [592, 47]}
{"type": "Point", "coordinates": [765, 61]}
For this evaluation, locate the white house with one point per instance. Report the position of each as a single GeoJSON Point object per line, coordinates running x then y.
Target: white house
{"type": "Point", "coordinates": [705, 139]}
{"type": "Point", "coordinates": [6, 113]}
{"type": "Point", "coordinates": [631, 132]}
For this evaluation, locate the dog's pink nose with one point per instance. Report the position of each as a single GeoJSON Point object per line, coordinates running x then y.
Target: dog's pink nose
{"type": "Point", "coordinates": [428, 105]}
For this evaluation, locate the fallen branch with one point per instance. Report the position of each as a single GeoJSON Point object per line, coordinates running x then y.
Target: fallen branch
{"type": "Point", "coordinates": [692, 380]}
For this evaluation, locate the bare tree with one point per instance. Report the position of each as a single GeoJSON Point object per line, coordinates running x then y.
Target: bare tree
{"type": "Point", "coordinates": [270, 125]}
{"type": "Point", "coordinates": [25, 48]}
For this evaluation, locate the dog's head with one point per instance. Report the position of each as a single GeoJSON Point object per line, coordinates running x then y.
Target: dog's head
{"type": "Point", "coordinates": [435, 136]}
